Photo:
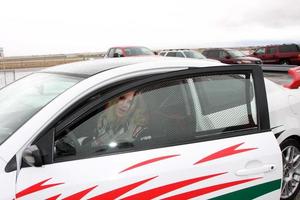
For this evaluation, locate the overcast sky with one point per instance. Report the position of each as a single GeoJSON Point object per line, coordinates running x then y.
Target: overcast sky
{"type": "Point", "coordinates": [37, 27]}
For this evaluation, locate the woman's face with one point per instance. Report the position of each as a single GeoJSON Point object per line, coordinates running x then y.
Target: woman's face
{"type": "Point", "coordinates": [124, 104]}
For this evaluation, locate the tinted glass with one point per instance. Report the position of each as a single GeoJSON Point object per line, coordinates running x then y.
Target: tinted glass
{"type": "Point", "coordinates": [271, 50]}
{"type": "Point", "coordinates": [223, 54]}
{"type": "Point", "coordinates": [194, 54]}
{"type": "Point", "coordinates": [171, 54]}
{"type": "Point", "coordinates": [136, 51]}
{"type": "Point", "coordinates": [260, 51]}
{"type": "Point", "coordinates": [211, 53]}
{"type": "Point", "coordinates": [154, 115]}
{"type": "Point", "coordinates": [179, 54]}
{"type": "Point", "coordinates": [227, 102]}
{"type": "Point", "coordinates": [288, 48]}
{"type": "Point", "coordinates": [235, 53]}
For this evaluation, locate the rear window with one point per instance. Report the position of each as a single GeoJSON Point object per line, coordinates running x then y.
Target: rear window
{"type": "Point", "coordinates": [211, 54]}
{"type": "Point", "coordinates": [136, 51]}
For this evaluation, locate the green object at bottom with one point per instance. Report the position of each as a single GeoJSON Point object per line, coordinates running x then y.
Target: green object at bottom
{"type": "Point", "coordinates": [251, 192]}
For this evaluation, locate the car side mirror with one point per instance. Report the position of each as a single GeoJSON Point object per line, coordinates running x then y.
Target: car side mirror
{"type": "Point", "coordinates": [32, 156]}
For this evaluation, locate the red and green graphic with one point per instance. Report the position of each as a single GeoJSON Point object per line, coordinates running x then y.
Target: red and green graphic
{"type": "Point", "coordinates": [245, 194]}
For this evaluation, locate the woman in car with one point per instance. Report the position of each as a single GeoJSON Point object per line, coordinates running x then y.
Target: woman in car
{"type": "Point", "coordinates": [122, 121]}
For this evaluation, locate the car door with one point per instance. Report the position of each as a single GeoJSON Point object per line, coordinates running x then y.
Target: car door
{"type": "Point", "coordinates": [198, 133]}
{"type": "Point", "coordinates": [270, 56]}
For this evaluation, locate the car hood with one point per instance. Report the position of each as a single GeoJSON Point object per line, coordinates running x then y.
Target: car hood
{"type": "Point", "coordinates": [247, 58]}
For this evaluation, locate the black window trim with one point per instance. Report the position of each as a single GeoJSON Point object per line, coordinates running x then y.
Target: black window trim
{"type": "Point", "coordinates": [263, 123]}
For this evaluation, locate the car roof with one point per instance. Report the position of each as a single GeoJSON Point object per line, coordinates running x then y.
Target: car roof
{"type": "Point", "coordinates": [176, 50]}
{"type": "Point", "coordinates": [124, 47]}
{"type": "Point", "coordinates": [276, 45]}
{"type": "Point", "coordinates": [89, 68]}
{"type": "Point", "coordinates": [226, 49]}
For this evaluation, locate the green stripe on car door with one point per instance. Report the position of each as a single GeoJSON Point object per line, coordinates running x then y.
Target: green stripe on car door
{"type": "Point", "coordinates": [251, 192]}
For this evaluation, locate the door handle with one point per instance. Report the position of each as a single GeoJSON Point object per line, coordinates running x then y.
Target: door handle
{"type": "Point", "coordinates": [256, 170]}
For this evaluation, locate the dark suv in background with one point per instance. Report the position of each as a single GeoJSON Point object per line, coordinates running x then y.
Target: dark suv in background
{"type": "Point", "coordinates": [288, 54]}
{"type": "Point", "coordinates": [230, 56]}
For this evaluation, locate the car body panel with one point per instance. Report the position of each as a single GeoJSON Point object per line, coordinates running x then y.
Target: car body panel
{"type": "Point", "coordinates": [284, 114]}
{"type": "Point", "coordinates": [186, 170]}
{"type": "Point", "coordinates": [7, 182]}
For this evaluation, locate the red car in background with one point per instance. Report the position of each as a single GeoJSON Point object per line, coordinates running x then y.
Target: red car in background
{"type": "Point", "coordinates": [288, 54]}
{"type": "Point", "coordinates": [230, 56]}
{"type": "Point", "coordinates": [116, 52]}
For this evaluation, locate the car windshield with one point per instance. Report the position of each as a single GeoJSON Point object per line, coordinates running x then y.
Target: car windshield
{"type": "Point", "coordinates": [194, 54]}
{"type": "Point", "coordinates": [236, 53]}
{"type": "Point", "coordinates": [136, 51]}
{"type": "Point", "coordinates": [20, 100]}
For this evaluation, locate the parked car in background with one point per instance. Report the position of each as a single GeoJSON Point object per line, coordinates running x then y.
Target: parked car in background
{"type": "Point", "coordinates": [230, 56]}
{"type": "Point", "coordinates": [183, 53]}
{"type": "Point", "coordinates": [288, 54]}
{"type": "Point", "coordinates": [116, 52]}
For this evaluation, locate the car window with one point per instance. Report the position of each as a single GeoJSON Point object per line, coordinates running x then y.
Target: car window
{"type": "Point", "coordinates": [194, 54]}
{"type": "Point", "coordinates": [179, 54]}
{"type": "Point", "coordinates": [235, 53]}
{"type": "Point", "coordinates": [288, 48]}
{"type": "Point", "coordinates": [135, 51]}
{"type": "Point", "coordinates": [162, 53]}
{"type": "Point", "coordinates": [223, 54]}
{"type": "Point", "coordinates": [227, 101]}
{"type": "Point", "coordinates": [111, 53]}
{"type": "Point", "coordinates": [271, 50]}
{"type": "Point", "coordinates": [119, 51]}
{"type": "Point", "coordinates": [158, 114]}
{"type": "Point", "coordinates": [171, 54]}
{"type": "Point", "coordinates": [260, 51]}
{"type": "Point", "coordinates": [20, 100]}
{"type": "Point", "coordinates": [211, 53]}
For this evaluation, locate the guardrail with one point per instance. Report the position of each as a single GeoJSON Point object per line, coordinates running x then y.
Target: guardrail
{"type": "Point", "coordinates": [44, 61]}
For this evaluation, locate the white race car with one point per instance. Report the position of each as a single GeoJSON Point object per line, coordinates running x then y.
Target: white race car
{"type": "Point", "coordinates": [149, 128]}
